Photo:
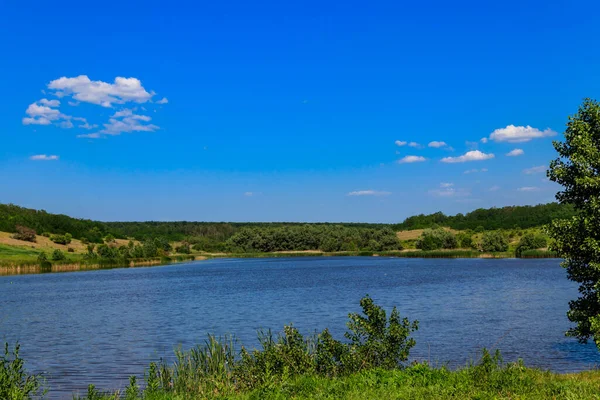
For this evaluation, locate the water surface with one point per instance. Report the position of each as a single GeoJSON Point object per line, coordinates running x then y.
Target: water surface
{"type": "Point", "coordinates": [102, 326]}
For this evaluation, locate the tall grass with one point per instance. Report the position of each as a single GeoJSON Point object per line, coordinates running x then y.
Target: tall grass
{"type": "Point", "coordinates": [538, 254]}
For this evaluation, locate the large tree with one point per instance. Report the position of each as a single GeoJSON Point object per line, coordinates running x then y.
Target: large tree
{"type": "Point", "coordinates": [577, 239]}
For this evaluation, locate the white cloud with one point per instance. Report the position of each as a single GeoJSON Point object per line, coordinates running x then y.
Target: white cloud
{"type": "Point", "coordinates": [447, 190]}
{"type": "Point", "coordinates": [494, 188]}
{"type": "Point", "coordinates": [535, 170]}
{"type": "Point", "coordinates": [44, 157]}
{"type": "Point", "coordinates": [126, 121]}
{"type": "Point", "coordinates": [400, 143]}
{"type": "Point", "coordinates": [411, 159]}
{"type": "Point", "coordinates": [474, 155]}
{"type": "Point", "coordinates": [90, 135]}
{"type": "Point", "coordinates": [475, 170]}
{"type": "Point", "coordinates": [81, 88]}
{"type": "Point", "coordinates": [484, 140]}
{"type": "Point", "coordinates": [164, 100]}
{"type": "Point", "coordinates": [85, 124]}
{"type": "Point", "coordinates": [368, 193]}
{"type": "Point", "coordinates": [50, 103]}
{"type": "Point", "coordinates": [248, 194]}
{"type": "Point", "coordinates": [437, 145]}
{"type": "Point", "coordinates": [43, 113]}
{"type": "Point", "coordinates": [515, 153]}
{"type": "Point", "coordinates": [528, 189]}
{"type": "Point", "coordinates": [518, 134]}
{"type": "Point", "coordinates": [414, 144]}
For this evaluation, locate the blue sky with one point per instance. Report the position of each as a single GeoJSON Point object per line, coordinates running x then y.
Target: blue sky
{"type": "Point", "coordinates": [287, 111]}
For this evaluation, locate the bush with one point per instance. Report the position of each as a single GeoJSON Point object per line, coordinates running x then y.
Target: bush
{"type": "Point", "coordinates": [163, 244]}
{"type": "Point", "coordinates": [42, 257]}
{"type": "Point", "coordinates": [530, 242]}
{"type": "Point", "coordinates": [465, 241]}
{"type": "Point", "coordinates": [61, 239]}
{"type": "Point", "coordinates": [71, 250]}
{"type": "Point", "coordinates": [24, 233]}
{"type": "Point", "coordinates": [46, 234]}
{"type": "Point", "coordinates": [184, 248]}
{"type": "Point", "coordinates": [434, 239]}
{"type": "Point", "coordinates": [58, 255]}
{"type": "Point", "coordinates": [15, 382]}
{"type": "Point", "coordinates": [493, 242]}
{"type": "Point", "coordinates": [373, 341]}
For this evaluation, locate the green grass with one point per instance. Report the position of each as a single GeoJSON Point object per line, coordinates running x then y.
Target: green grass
{"type": "Point", "coordinates": [483, 381]}
{"type": "Point", "coordinates": [538, 254]}
{"type": "Point", "coordinates": [11, 253]}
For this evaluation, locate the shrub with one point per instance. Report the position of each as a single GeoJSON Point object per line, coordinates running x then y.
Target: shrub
{"type": "Point", "coordinates": [465, 240]}
{"type": "Point", "coordinates": [46, 234]}
{"type": "Point", "coordinates": [24, 233]}
{"type": "Point", "coordinates": [493, 242]}
{"type": "Point", "coordinates": [71, 250]}
{"type": "Point", "coordinates": [109, 238]}
{"type": "Point", "coordinates": [58, 255]}
{"type": "Point", "coordinates": [149, 249]}
{"type": "Point", "coordinates": [107, 252]}
{"type": "Point", "coordinates": [530, 242]}
{"type": "Point", "coordinates": [373, 341]}
{"type": "Point", "coordinates": [15, 382]}
{"type": "Point", "coordinates": [61, 239]}
{"type": "Point", "coordinates": [42, 257]}
{"type": "Point", "coordinates": [184, 248]}
{"type": "Point", "coordinates": [163, 244]}
{"type": "Point", "coordinates": [434, 239]}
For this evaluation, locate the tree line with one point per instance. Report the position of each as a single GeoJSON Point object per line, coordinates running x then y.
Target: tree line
{"type": "Point", "coordinates": [492, 218]}
{"type": "Point", "coordinates": [326, 238]}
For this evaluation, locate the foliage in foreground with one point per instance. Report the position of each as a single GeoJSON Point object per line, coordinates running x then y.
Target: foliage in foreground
{"type": "Point", "coordinates": [15, 382]}
{"type": "Point", "coordinates": [577, 239]}
{"type": "Point", "coordinates": [487, 379]}
{"type": "Point", "coordinates": [370, 364]}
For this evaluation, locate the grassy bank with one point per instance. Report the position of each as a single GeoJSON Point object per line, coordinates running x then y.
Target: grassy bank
{"type": "Point", "coordinates": [13, 264]}
{"type": "Point", "coordinates": [486, 380]}
{"type": "Point", "coordinates": [18, 267]}
{"type": "Point", "coordinates": [399, 253]}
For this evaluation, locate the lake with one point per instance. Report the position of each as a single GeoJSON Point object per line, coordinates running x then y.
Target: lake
{"type": "Point", "coordinates": [102, 326]}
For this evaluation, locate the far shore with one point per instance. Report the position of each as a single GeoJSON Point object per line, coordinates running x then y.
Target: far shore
{"type": "Point", "coordinates": [32, 267]}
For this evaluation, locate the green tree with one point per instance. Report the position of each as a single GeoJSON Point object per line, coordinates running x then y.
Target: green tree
{"type": "Point", "coordinates": [58, 255]}
{"type": "Point", "coordinates": [434, 239]}
{"type": "Point", "coordinates": [465, 240]}
{"type": "Point", "coordinates": [494, 241]}
{"type": "Point", "coordinates": [577, 239]}
{"type": "Point", "coordinates": [529, 241]}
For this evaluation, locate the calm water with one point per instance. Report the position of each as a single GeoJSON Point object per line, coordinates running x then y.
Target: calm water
{"type": "Point", "coordinates": [102, 326]}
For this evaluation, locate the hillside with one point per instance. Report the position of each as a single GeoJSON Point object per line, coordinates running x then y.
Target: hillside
{"type": "Point", "coordinates": [41, 221]}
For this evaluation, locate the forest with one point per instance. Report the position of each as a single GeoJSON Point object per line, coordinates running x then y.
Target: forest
{"type": "Point", "coordinates": [278, 236]}
{"type": "Point", "coordinates": [492, 218]}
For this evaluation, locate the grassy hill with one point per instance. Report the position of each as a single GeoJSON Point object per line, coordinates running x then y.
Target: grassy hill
{"type": "Point", "coordinates": [219, 237]}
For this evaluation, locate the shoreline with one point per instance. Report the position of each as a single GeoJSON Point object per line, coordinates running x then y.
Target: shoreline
{"type": "Point", "coordinates": [8, 268]}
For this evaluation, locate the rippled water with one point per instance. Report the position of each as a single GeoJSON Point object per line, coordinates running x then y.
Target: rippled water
{"type": "Point", "coordinates": [102, 326]}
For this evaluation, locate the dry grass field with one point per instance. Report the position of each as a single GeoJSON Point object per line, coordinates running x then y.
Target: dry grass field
{"type": "Point", "coordinates": [45, 244]}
